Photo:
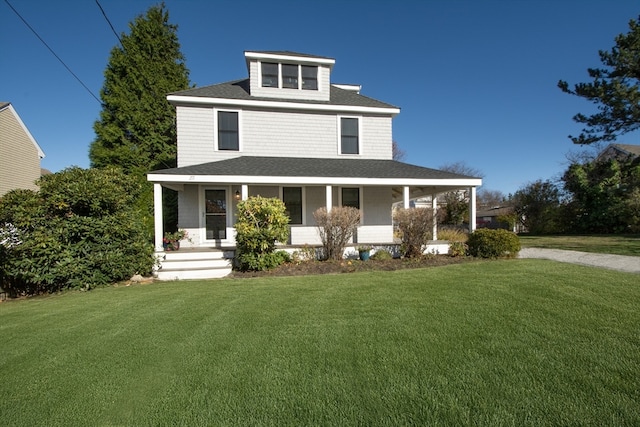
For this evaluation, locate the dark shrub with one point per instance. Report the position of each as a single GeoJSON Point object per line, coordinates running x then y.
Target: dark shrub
{"type": "Point", "coordinates": [487, 243]}
{"type": "Point", "coordinates": [381, 255]}
{"type": "Point", "coordinates": [458, 249]}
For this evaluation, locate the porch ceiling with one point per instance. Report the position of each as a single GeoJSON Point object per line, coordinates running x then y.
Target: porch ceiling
{"type": "Point", "coordinates": [311, 171]}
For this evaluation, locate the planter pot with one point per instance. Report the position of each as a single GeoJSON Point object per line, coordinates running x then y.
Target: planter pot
{"type": "Point", "coordinates": [173, 245]}
{"type": "Point", "coordinates": [364, 255]}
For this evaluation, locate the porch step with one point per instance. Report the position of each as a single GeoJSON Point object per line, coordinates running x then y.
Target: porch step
{"type": "Point", "coordinates": [194, 264]}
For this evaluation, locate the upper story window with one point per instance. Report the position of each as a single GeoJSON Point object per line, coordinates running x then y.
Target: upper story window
{"type": "Point", "coordinates": [349, 135]}
{"type": "Point", "coordinates": [289, 76]}
{"type": "Point", "coordinates": [228, 131]}
{"type": "Point", "coordinates": [269, 74]}
{"type": "Point", "coordinates": [309, 77]}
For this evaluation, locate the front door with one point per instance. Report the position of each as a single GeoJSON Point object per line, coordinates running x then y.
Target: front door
{"type": "Point", "coordinates": [215, 214]}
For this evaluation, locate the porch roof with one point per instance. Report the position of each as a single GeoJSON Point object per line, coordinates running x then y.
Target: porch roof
{"type": "Point", "coordinates": [312, 171]}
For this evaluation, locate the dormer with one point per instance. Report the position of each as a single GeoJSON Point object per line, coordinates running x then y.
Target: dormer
{"type": "Point", "coordinates": [289, 75]}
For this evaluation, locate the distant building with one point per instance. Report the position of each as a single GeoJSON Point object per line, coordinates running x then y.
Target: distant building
{"type": "Point", "coordinates": [619, 152]}
{"type": "Point", "coordinates": [20, 154]}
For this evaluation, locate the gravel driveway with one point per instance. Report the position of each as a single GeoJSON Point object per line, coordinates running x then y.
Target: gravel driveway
{"type": "Point", "coordinates": [630, 264]}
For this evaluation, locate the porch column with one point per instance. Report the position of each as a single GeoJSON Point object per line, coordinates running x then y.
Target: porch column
{"type": "Point", "coordinates": [157, 217]}
{"type": "Point", "coordinates": [405, 197]}
{"type": "Point", "coordinates": [329, 198]}
{"type": "Point", "coordinates": [434, 207]}
{"type": "Point", "coordinates": [244, 191]}
{"type": "Point", "coordinates": [472, 209]}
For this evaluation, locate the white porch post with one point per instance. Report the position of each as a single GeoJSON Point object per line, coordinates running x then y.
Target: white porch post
{"type": "Point", "coordinates": [434, 207]}
{"type": "Point", "coordinates": [157, 217]}
{"type": "Point", "coordinates": [405, 197]}
{"type": "Point", "coordinates": [472, 209]}
{"type": "Point", "coordinates": [329, 198]}
{"type": "Point", "coordinates": [244, 192]}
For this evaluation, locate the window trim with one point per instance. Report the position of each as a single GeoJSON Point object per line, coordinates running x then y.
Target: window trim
{"type": "Point", "coordinates": [216, 128]}
{"type": "Point", "coordinates": [280, 76]}
{"type": "Point", "coordinates": [359, 147]}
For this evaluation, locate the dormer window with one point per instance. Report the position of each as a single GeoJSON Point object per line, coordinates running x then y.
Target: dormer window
{"type": "Point", "coordinates": [309, 77]}
{"type": "Point", "coordinates": [269, 74]}
{"type": "Point", "coordinates": [289, 76]}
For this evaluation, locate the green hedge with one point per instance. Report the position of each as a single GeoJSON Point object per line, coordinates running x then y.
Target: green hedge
{"type": "Point", "coordinates": [80, 230]}
{"type": "Point", "coordinates": [487, 243]}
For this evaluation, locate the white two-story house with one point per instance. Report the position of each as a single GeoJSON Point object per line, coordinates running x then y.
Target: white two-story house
{"type": "Point", "coordinates": [286, 131]}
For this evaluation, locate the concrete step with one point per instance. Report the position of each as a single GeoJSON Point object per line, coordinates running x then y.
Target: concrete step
{"type": "Point", "coordinates": [193, 264]}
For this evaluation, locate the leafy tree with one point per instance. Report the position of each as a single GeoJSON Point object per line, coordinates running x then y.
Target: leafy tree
{"type": "Point", "coordinates": [261, 223]}
{"type": "Point", "coordinates": [615, 89]}
{"type": "Point", "coordinates": [537, 205]}
{"type": "Point", "coordinates": [80, 230]}
{"type": "Point", "coordinates": [136, 129]}
{"type": "Point", "coordinates": [603, 196]}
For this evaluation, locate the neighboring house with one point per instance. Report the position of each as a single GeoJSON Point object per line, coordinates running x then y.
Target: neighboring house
{"type": "Point", "coordinates": [286, 131]}
{"type": "Point", "coordinates": [619, 152]}
{"type": "Point", "coordinates": [494, 218]}
{"type": "Point", "coordinates": [20, 154]}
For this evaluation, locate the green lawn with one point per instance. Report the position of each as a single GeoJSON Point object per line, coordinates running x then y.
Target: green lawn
{"type": "Point", "coordinates": [607, 244]}
{"type": "Point", "coordinates": [512, 342]}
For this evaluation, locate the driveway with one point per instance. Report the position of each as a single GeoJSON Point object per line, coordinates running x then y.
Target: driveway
{"type": "Point", "coordinates": [629, 264]}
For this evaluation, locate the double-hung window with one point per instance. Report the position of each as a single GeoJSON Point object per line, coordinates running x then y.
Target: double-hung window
{"type": "Point", "coordinates": [309, 77]}
{"type": "Point", "coordinates": [269, 74]}
{"type": "Point", "coordinates": [349, 135]}
{"type": "Point", "coordinates": [228, 131]}
{"type": "Point", "coordinates": [290, 76]}
{"type": "Point", "coordinates": [292, 198]}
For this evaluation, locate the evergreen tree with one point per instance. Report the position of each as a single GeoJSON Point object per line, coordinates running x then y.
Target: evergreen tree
{"type": "Point", "coordinates": [615, 90]}
{"type": "Point", "coordinates": [136, 129]}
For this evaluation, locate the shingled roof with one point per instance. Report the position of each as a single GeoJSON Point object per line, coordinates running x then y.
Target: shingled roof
{"type": "Point", "coordinates": [239, 89]}
{"type": "Point", "coordinates": [312, 167]}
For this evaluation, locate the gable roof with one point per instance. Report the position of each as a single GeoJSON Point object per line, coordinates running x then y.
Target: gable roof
{"type": "Point", "coordinates": [628, 149]}
{"type": "Point", "coordinates": [619, 151]}
{"type": "Point", "coordinates": [9, 107]}
{"type": "Point", "coordinates": [239, 90]}
{"type": "Point", "coordinates": [297, 170]}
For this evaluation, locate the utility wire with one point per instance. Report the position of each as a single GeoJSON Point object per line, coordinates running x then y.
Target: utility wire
{"type": "Point", "coordinates": [51, 50]}
{"type": "Point", "coordinates": [109, 22]}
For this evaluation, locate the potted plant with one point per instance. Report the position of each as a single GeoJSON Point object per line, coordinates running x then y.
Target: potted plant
{"type": "Point", "coordinates": [171, 241]}
{"type": "Point", "coordinates": [364, 252]}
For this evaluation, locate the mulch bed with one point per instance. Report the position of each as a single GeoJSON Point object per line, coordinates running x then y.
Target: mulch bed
{"type": "Point", "coordinates": [353, 266]}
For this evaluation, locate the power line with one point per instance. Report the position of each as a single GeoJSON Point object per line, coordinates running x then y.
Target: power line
{"type": "Point", "coordinates": [109, 22]}
{"type": "Point", "coordinates": [51, 50]}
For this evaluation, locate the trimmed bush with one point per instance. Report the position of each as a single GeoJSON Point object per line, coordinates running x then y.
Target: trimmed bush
{"type": "Point", "coordinates": [80, 230]}
{"type": "Point", "coordinates": [261, 223]}
{"type": "Point", "coordinates": [487, 243]}
{"type": "Point", "coordinates": [336, 227]}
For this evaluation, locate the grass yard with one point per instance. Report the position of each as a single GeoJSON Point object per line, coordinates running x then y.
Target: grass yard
{"type": "Point", "coordinates": [621, 244]}
{"type": "Point", "coordinates": [497, 343]}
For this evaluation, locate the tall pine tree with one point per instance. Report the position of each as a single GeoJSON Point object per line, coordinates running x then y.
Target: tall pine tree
{"type": "Point", "coordinates": [136, 129]}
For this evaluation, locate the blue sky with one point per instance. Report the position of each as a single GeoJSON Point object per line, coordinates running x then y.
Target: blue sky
{"type": "Point", "coordinates": [475, 80]}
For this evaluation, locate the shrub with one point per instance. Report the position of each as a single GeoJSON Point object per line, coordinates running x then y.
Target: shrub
{"type": "Point", "coordinates": [487, 243]}
{"type": "Point", "coordinates": [415, 227]}
{"type": "Point", "coordinates": [80, 230]}
{"type": "Point", "coordinates": [453, 235]}
{"type": "Point", "coordinates": [336, 227]}
{"type": "Point", "coordinates": [457, 249]}
{"type": "Point", "coordinates": [381, 255]}
{"type": "Point", "coordinates": [261, 223]}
